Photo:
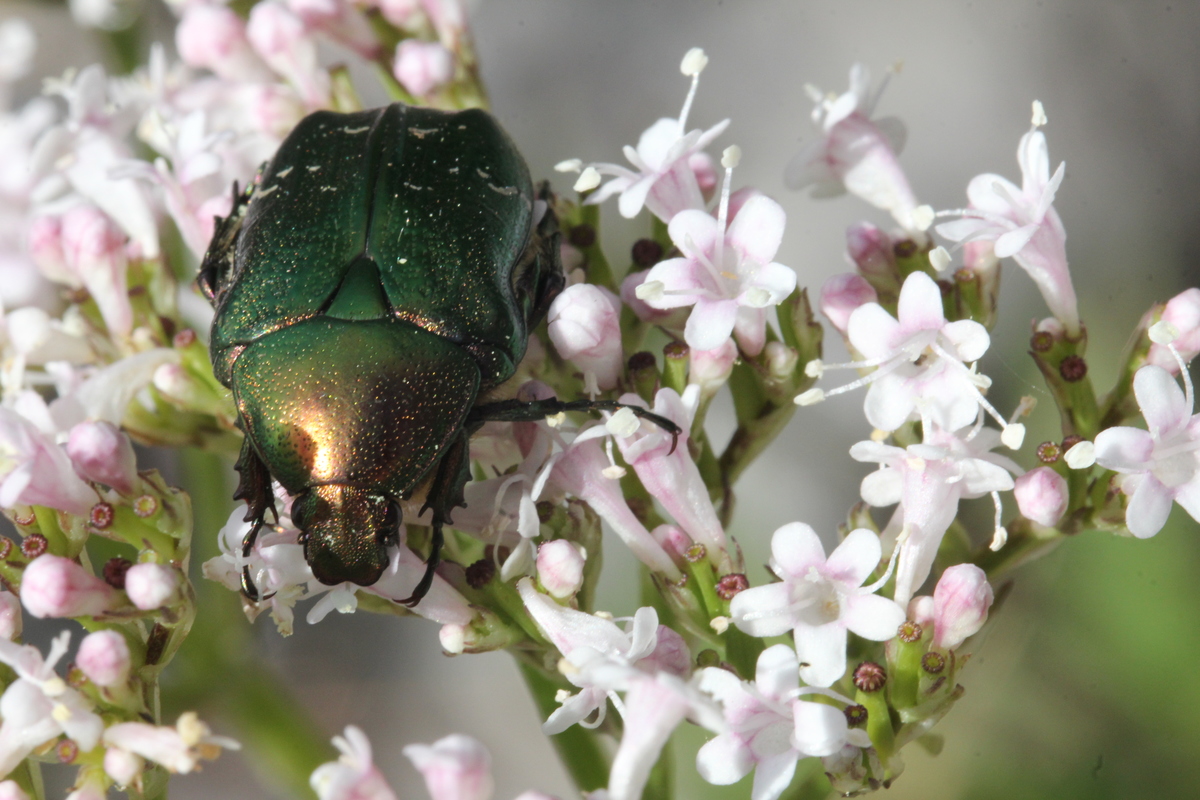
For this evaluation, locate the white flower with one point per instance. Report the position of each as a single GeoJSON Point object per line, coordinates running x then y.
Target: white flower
{"type": "Point", "coordinates": [819, 599]}
{"type": "Point", "coordinates": [1161, 464]}
{"type": "Point", "coordinates": [664, 178]}
{"type": "Point", "coordinates": [928, 480]}
{"type": "Point", "coordinates": [354, 775]}
{"type": "Point", "coordinates": [39, 706]}
{"type": "Point", "coordinates": [1022, 223]}
{"type": "Point", "coordinates": [855, 153]}
{"type": "Point", "coordinates": [179, 749]}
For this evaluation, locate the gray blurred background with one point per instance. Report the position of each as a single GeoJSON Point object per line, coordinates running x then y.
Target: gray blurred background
{"type": "Point", "coordinates": [1086, 687]}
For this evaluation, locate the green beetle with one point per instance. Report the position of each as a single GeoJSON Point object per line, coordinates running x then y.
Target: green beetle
{"type": "Point", "coordinates": [379, 278]}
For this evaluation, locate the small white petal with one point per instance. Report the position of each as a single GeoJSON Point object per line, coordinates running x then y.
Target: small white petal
{"type": "Point", "coordinates": [1039, 114]}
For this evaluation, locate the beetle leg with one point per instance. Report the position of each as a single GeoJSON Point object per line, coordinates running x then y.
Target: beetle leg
{"type": "Point", "coordinates": [255, 488]}
{"type": "Point", "coordinates": [445, 493]}
{"type": "Point", "coordinates": [533, 410]}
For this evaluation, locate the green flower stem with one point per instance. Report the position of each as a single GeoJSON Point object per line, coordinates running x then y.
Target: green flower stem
{"type": "Point", "coordinates": [702, 577]}
{"type": "Point", "coordinates": [28, 775]}
{"type": "Point", "coordinates": [216, 668]}
{"type": "Point", "coordinates": [56, 539]}
{"type": "Point", "coordinates": [580, 750]}
{"type": "Point", "coordinates": [879, 722]}
{"type": "Point", "coordinates": [598, 269]}
{"type": "Point", "coordinates": [133, 529]}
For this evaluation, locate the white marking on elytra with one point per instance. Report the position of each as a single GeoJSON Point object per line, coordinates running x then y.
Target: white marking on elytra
{"type": "Point", "coordinates": [483, 174]}
{"type": "Point", "coordinates": [414, 187]}
{"type": "Point", "coordinates": [363, 129]}
{"type": "Point", "coordinates": [454, 170]}
{"type": "Point", "coordinates": [507, 191]}
{"type": "Point", "coordinates": [267, 191]}
{"type": "Point", "coordinates": [314, 168]}
{"type": "Point", "coordinates": [328, 188]}
{"type": "Point", "coordinates": [403, 261]}
{"type": "Point", "coordinates": [283, 173]}
{"type": "Point", "coordinates": [421, 133]}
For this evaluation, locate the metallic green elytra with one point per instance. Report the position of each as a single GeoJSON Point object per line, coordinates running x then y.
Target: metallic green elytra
{"type": "Point", "coordinates": [380, 276]}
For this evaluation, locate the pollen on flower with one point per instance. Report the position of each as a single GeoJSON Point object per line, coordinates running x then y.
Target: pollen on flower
{"type": "Point", "coordinates": [1049, 452]}
{"type": "Point", "coordinates": [731, 156]}
{"type": "Point", "coordinates": [694, 62]}
{"type": "Point", "coordinates": [719, 624]}
{"type": "Point", "coordinates": [1013, 436]}
{"type": "Point", "coordinates": [811, 397]}
{"type": "Point", "coordinates": [1163, 332]}
{"type": "Point", "coordinates": [145, 506]}
{"type": "Point", "coordinates": [102, 516]}
{"type": "Point", "coordinates": [569, 165]}
{"type": "Point", "coordinates": [1081, 455]}
{"type": "Point", "coordinates": [1039, 114]}
{"type": "Point", "coordinates": [939, 258]}
{"type": "Point", "coordinates": [999, 538]}
{"type": "Point", "coordinates": [650, 290]}
{"type": "Point", "coordinates": [933, 662]}
{"type": "Point", "coordinates": [623, 423]}
{"type": "Point", "coordinates": [588, 179]}
{"type": "Point", "coordinates": [922, 217]}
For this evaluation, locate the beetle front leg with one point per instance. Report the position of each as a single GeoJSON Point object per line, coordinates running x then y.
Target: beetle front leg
{"type": "Point", "coordinates": [255, 488]}
{"type": "Point", "coordinates": [534, 410]}
{"type": "Point", "coordinates": [445, 494]}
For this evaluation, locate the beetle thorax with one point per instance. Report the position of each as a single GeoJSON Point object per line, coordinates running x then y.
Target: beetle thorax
{"type": "Point", "coordinates": [346, 532]}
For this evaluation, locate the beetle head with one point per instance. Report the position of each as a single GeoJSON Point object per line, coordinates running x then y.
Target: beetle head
{"type": "Point", "coordinates": [346, 532]}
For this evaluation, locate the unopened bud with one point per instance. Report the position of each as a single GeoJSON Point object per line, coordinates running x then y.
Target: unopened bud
{"type": "Point", "coordinates": [781, 360]}
{"type": "Point", "coordinates": [1042, 495]}
{"type": "Point", "coordinates": [100, 452]}
{"type": "Point", "coordinates": [456, 766]}
{"type": "Point", "coordinates": [122, 766]}
{"type": "Point", "coordinates": [10, 615]}
{"type": "Point", "coordinates": [423, 67]}
{"type": "Point", "coordinates": [152, 586]}
{"type": "Point", "coordinates": [560, 568]}
{"type": "Point", "coordinates": [58, 587]}
{"type": "Point", "coordinates": [584, 325]}
{"type": "Point", "coordinates": [960, 605]}
{"type": "Point", "coordinates": [869, 677]}
{"type": "Point", "coordinates": [710, 369]}
{"type": "Point", "coordinates": [842, 294]}
{"type": "Point", "coordinates": [104, 658]}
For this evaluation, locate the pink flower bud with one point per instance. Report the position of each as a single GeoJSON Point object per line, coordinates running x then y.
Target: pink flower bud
{"type": "Point", "coordinates": [960, 605]}
{"type": "Point", "coordinates": [339, 20]}
{"type": "Point", "coordinates": [122, 766]}
{"type": "Point", "coordinates": [710, 369]}
{"type": "Point", "coordinates": [584, 324]}
{"type": "Point", "coordinates": [282, 40]}
{"type": "Point", "coordinates": [1182, 311]}
{"type": "Point", "coordinates": [422, 67]}
{"type": "Point", "coordinates": [214, 37]}
{"type": "Point", "coordinates": [58, 587]}
{"type": "Point", "coordinates": [101, 453]}
{"type": "Point", "coordinates": [560, 568]}
{"type": "Point", "coordinates": [400, 13]}
{"type": "Point", "coordinates": [94, 248]}
{"type": "Point", "coordinates": [10, 615]}
{"type": "Point", "coordinates": [152, 586]}
{"type": "Point", "coordinates": [1042, 495]}
{"type": "Point", "coordinates": [104, 658]}
{"type": "Point", "coordinates": [843, 293]}
{"type": "Point", "coordinates": [455, 768]}
{"type": "Point", "coordinates": [9, 790]}
{"type": "Point", "coordinates": [674, 541]}
{"type": "Point", "coordinates": [271, 108]}
{"type": "Point", "coordinates": [45, 248]}
{"type": "Point", "coordinates": [780, 359]}
{"type": "Point", "coordinates": [870, 249]}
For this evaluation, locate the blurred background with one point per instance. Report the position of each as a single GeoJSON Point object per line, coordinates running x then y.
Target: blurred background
{"type": "Point", "coordinates": [1085, 685]}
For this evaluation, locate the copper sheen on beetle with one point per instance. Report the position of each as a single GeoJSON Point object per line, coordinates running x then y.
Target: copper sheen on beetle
{"type": "Point", "coordinates": [379, 277]}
